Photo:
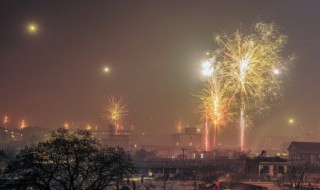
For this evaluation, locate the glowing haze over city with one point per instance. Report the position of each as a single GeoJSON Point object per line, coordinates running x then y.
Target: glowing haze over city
{"type": "Point", "coordinates": [139, 65]}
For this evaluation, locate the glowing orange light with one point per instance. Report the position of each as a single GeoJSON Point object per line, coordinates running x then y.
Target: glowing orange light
{"type": "Point", "coordinates": [88, 127]}
{"type": "Point", "coordinates": [5, 119]}
{"type": "Point", "coordinates": [23, 124]}
{"type": "Point", "coordinates": [179, 126]}
{"type": "Point", "coordinates": [66, 126]}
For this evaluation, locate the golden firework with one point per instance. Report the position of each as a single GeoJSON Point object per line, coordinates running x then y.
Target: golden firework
{"type": "Point", "coordinates": [251, 63]}
{"type": "Point", "coordinates": [214, 108]}
{"type": "Point", "coordinates": [215, 104]}
{"type": "Point", "coordinates": [115, 111]}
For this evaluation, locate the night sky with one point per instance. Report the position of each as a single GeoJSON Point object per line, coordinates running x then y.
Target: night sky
{"type": "Point", "coordinates": [153, 50]}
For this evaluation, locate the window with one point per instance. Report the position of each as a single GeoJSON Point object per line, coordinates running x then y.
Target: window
{"type": "Point", "coordinates": [265, 169]}
{"type": "Point", "coordinates": [281, 169]}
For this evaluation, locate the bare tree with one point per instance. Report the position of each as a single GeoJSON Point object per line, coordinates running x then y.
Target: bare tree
{"type": "Point", "coordinates": [299, 165]}
{"type": "Point", "coordinates": [69, 160]}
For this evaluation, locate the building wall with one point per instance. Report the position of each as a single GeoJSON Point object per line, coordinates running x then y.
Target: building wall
{"type": "Point", "coordinates": [298, 158]}
{"type": "Point", "coordinates": [258, 168]}
{"type": "Point", "coordinates": [187, 140]}
{"type": "Point", "coordinates": [274, 169]}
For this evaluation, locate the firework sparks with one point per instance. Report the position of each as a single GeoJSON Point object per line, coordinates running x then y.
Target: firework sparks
{"type": "Point", "coordinates": [115, 111]}
{"type": "Point", "coordinates": [251, 63]}
{"type": "Point", "coordinates": [214, 109]}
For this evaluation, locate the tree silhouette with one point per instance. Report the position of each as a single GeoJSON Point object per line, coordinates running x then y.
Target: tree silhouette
{"type": "Point", "coordinates": [69, 160]}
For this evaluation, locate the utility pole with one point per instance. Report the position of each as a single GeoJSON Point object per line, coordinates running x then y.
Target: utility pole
{"type": "Point", "coordinates": [183, 149]}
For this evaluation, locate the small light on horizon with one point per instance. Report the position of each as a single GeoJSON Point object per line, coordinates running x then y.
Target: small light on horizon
{"type": "Point", "coordinates": [23, 124]}
{"type": "Point", "coordinates": [5, 120]}
{"type": "Point", "coordinates": [66, 126]}
{"type": "Point", "coordinates": [88, 127]}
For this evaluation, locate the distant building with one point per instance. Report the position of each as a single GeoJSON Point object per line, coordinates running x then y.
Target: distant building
{"type": "Point", "coordinates": [113, 137]}
{"type": "Point", "coordinates": [121, 140]}
{"type": "Point", "coordinates": [191, 139]}
{"type": "Point", "coordinates": [9, 135]}
{"type": "Point", "coordinates": [306, 152]}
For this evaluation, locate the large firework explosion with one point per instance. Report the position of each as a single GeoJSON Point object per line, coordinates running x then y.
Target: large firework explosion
{"type": "Point", "coordinates": [248, 65]}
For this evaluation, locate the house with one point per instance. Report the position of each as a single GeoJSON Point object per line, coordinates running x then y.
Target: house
{"type": "Point", "coordinates": [265, 166]}
{"type": "Point", "coordinates": [304, 153]}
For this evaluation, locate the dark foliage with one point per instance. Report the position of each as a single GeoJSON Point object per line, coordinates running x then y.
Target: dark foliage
{"type": "Point", "coordinates": [70, 160]}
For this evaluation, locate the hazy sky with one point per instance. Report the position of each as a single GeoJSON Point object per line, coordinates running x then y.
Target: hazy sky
{"type": "Point", "coordinates": [153, 50]}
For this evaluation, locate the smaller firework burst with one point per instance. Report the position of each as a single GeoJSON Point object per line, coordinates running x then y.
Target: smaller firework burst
{"type": "Point", "coordinates": [214, 108]}
{"type": "Point", "coordinates": [115, 111]}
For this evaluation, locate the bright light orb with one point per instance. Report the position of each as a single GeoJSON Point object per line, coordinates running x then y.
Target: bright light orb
{"type": "Point", "coordinates": [276, 71]}
{"type": "Point", "coordinates": [291, 121]}
{"type": "Point", "coordinates": [207, 67]}
{"type": "Point", "coordinates": [32, 28]}
{"type": "Point", "coordinates": [243, 68]}
{"type": "Point", "coordinates": [106, 69]}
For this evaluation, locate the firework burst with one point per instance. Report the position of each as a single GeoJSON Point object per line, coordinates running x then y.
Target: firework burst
{"type": "Point", "coordinates": [115, 111]}
{"type": "Point", "coordinates": [251, 64]}
{"type": "Point", "coordinates": [214, 108]}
